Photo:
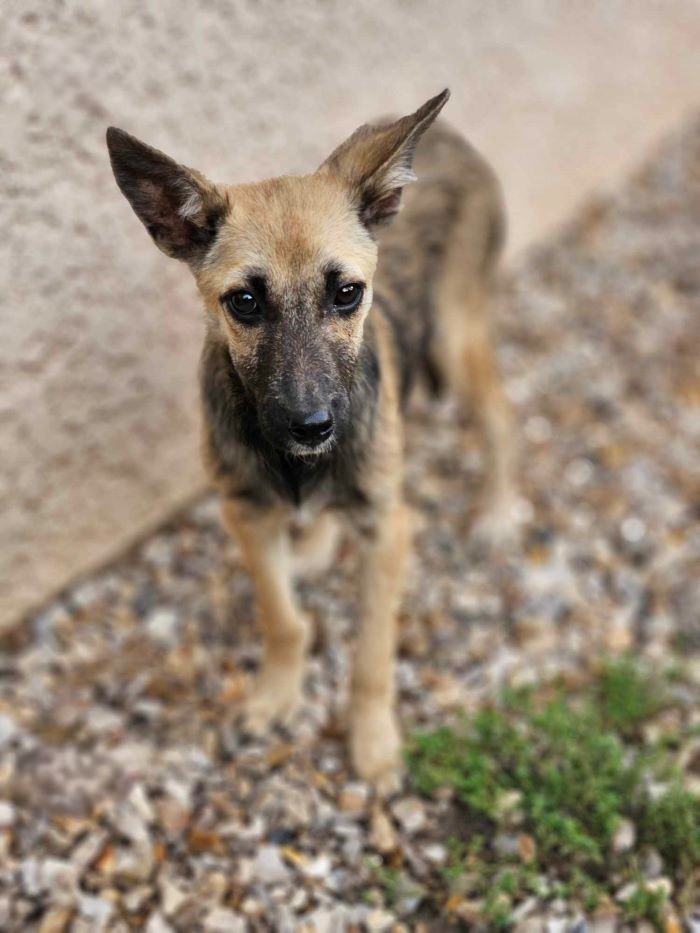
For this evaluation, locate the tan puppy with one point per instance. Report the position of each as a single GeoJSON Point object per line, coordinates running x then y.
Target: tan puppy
{"type": "Point", "coordinates": [317, 326]}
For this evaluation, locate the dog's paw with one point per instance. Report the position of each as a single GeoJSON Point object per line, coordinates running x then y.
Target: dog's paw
{"type": "Point", "coordinates": [375, 749]}
{"type": "Point", "coordinates": [269, 704]}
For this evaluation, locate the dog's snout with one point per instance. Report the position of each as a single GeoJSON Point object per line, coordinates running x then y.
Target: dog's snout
{"type": "Point", "coordinates": [311, 428]}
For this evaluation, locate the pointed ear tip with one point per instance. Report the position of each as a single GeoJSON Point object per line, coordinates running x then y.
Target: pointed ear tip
{"type": "Point", "coordinates": [115, 137]}
{"type": "Point", "coordinates": [435, 104]}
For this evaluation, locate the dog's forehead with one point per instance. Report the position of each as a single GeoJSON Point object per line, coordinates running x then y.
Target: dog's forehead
{"type": "Point", "coordinates": [292, 228]}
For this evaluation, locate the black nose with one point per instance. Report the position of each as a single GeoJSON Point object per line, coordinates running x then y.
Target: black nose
{"type": "Point", "coordinates": [311, 429]}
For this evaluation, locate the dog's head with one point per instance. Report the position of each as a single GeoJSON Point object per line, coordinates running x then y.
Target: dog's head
{"type": "Point", "coordinates": [285, 266]}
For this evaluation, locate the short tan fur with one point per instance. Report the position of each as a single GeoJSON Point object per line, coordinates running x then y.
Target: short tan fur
{"type": "Point", "coordinates": [324, 305]}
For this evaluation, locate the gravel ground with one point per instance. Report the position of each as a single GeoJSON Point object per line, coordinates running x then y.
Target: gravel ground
{"type": "Point", "coordinates": [127, 796]}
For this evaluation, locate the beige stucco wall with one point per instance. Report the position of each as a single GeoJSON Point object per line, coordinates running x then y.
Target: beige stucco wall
{"type": "Point", "coordinates": [99, 333]}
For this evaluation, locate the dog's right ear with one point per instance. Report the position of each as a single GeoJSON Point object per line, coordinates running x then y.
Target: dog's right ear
{"type": "Point", "coordinates": [180, 209]}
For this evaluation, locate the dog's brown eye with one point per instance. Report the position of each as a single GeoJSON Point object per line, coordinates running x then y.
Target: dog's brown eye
{"type": "Point", "coordinates": [348, 297]}
{"type": "Point", "coordinates": [242, 305]}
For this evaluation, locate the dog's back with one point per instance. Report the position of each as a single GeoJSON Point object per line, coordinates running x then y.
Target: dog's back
{"type": "Point", "coordinates": [437, 260]}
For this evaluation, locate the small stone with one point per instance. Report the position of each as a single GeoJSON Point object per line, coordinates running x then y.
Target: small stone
{"type": "Point", "coordinates": [578, 472]}
{"type": "Point", "coordinates": [52, 875]}
{"type": "Point", "coordinates": [664, 885]}
{"type": "Point", "coordinates": [382, 835]}
{"type": "Point", "coordinates": [172, 815]}
{"type": "Point", "coordinates": [435, 853]}
{"type": "Point", "coordinates": [627, 891]}
{"type": "Point", "coordinates": [558, 907]}
{"type": "Point", "coordinates": [157, 924]}
{"type": "Point", "coordinates": [527, 848]}
{"type": "Point", "coordinates": [321, 920]}
{"type": "Point", "coordinates": [212, 887]}
{"type": "Point", "coordinates": [8, 814]}
{"type": "Point", "coordinates": [410, 814]}
{"type": "Point", "coordinates": [222, 920]}
{"type": "Point", "coordinates": [96, 910]}
{"type": "Point", "coordinates": [8, 729]}
{"type": "Point", "coordinates": [579, 925]}
{"type": "Point", "coordinates": [538, 429]}
{"type": "Point", "coordinates": [252, 907]}
{"type": "Point", "coordinates": [133, 864]}
{"type": "Point", "coordinates": [506, 845]}
{"type": "Point", "coordinates": [524, 909]}
{"type": "Point", "coordinates": [377, 921]}
{"type": "Point", "coordinates": [508, 805]}
{"type": "Point", "coordinates": [352, 850]}
{"type": "Point", "coordinates": [137, 897]}
{"type": "Point", "coordinates": [532, 924]}
{"type": "Point", "coordinates": [88, 850]}
{"type": "Point", "coordinates": [471, 910]}
{"type": "Point", "coordinates": [354, 797]}
{"type": "Point", "coordinates": [624, 837]}
{"type": "Point", "coordinates": [268, 867]}
{"type": "Point", "coordinates": [602, 925]}
{"type": "Point", "coordinates": [654, 884]}
{"type": "Point", "coordinates": [171, 896]}
{"type": "Point", "coordinates": [128, 822]}
{"type": "Point", "coordinates": [557, 924]}
{"type": "Point", "coordinates": [162, 626]}
{"type": "Point", "coordinates": [633, 529]}
{"type": "Point", "coordinates": [319, 868]}
{"type": "Point", "coordinates": [141, 804]}
{"type": "Point", "coordinates": [299, 900]}
{"type": "Point", "coordinates": [56, 920]}
{"type": "Point", "coordinates": [651, 864]}
{"type": "Point", "coordinates": [102, 721]}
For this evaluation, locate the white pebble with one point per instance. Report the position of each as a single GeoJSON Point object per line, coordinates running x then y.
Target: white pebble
{"type": "Point", "coordinates": [633, 529]}
{"type": "Point", "coordinates": [7, 814]}
{"type": "Point", "coordinates": [538, 429]}
{"type": "Point", "coordinates": [578, 472]}
{"type": "Point", "coordinates": [268, 867]}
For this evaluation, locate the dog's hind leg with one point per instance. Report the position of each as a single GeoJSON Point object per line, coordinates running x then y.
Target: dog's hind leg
{"type": "Point", "coordinates": [265, 542]}
{"type": "Point", "coordinates": [465, 354]}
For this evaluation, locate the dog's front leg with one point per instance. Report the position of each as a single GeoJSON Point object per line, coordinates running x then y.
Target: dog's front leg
{"type": "Point", "coordinates": [374, 734]}
{"type": "Point", "coordinates": [264, 539]}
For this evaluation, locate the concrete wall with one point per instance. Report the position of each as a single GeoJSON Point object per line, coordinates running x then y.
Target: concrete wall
{"type": "Point", "coordinates": [99, 333]}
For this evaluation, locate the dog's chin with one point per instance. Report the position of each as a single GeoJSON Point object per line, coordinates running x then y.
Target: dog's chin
{"type": "Point", "coordinates": [305, 452]}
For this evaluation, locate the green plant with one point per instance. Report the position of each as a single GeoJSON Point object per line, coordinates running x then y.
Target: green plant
{"type": "Point", "coordinates": [628, 696]}
{"type": "Point", "coordinates": [672, 825]}
{"type": "Point", "coordinates": [578, 766]}
{"type": "Point", "coordinates": [646, 904]}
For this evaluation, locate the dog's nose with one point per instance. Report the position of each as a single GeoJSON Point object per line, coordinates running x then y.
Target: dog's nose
{"type": "Point", "coordinates": [313, 428]}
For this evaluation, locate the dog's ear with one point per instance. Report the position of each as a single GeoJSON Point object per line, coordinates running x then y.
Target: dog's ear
{"type": "Point", "coordinates": [377, 161]}
{"type": "Point", "coordinates": [180, 209]}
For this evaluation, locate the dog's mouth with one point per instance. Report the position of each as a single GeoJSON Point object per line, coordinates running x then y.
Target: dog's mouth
{"type": "Point", "coordinates": [308, 451]}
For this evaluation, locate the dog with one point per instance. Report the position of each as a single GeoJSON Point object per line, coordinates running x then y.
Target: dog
{"type": "Point", "coordinates": [321, 314]}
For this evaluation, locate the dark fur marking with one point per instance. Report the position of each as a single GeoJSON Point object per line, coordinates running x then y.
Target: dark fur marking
{"type": "Point", "coordinates": [241, 452]}
{"type": "Point", "coordinates": [157, 187]}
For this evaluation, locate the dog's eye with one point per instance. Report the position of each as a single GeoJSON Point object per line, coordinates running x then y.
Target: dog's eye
{"type": "Point", "coordinates": [242, 305]}
{"type": "Point", "coordinates": [348, 297]}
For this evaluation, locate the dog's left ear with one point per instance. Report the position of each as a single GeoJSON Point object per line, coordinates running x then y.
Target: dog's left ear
{"type": "Point", "coordinates": [377, 161]}
{"type": "Point", "coordinates": [177, 205]}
